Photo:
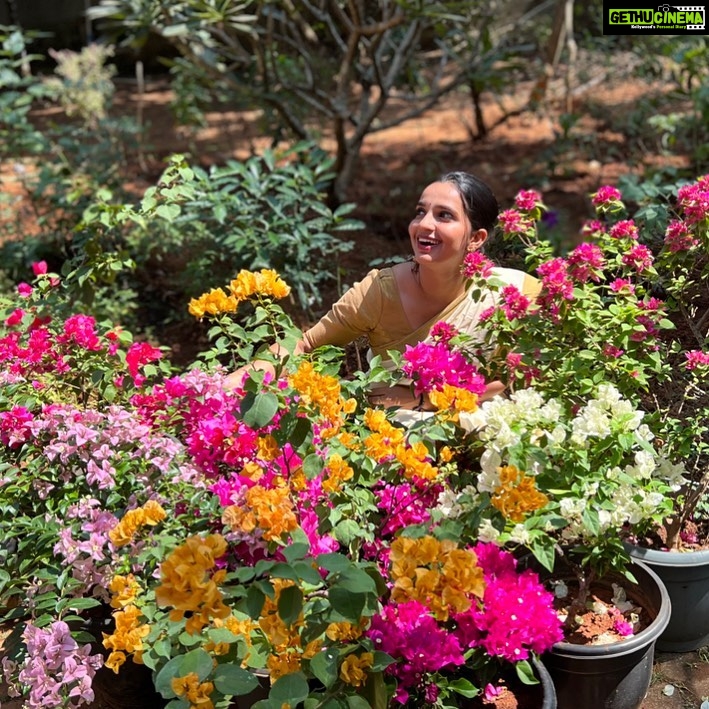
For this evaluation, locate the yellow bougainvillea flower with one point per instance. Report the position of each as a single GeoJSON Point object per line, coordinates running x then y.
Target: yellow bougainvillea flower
{"type": "Point", "coordinates": [445, 454]}
{"type": "Point", "coordinates": [150, 514]}
{"type": "Point", "coordinates": [284, 663]}
{"type": "Point", "coordinates": [241, 627]}
{"type": "Point", "coordinates": [188, 584]}
{"type": "Point", "coordinates": [337, 471]}
{"type": "Point", "coordinates": [388, 442]}
{"type": "Point", "coordinates": [517, 494]}
{"type": "Point", "coordinates": [354, 668]}
{"type": "Point", "coordinates": [267, 448]}
{"type": "Point", "coordinates": [197, 693]}
{"type": "Point", "coordinates": [343, 631]}
{"type": "Point", "coordinates": [124, 590]}
{"type": "Point", "coordinates": [266, 282]}
{"type": "Point", "coordinates": [269, 509]}
{"type": "Point", "coordinates": [215, 302]}
{"type": "Point", "coordinates": [436, 573]}
{"type": "Point", "coordinates": [127, 637]}
{"type": "Point", "coordinates": [454, 399]}
{"type": "Point", "coordinates": [323, 393]}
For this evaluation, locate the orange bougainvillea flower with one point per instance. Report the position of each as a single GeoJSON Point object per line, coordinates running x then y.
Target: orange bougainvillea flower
{"type": "Point", "coordinates": [266, 282]}
{"type": "Point", "coordinates": [454, 400]}
{"type": "Point", "coordinates": [337, 471]}
{"type": "Point", "coordinates": [323, 393]}
{"type": "Point", "coordinates": [388, 442]}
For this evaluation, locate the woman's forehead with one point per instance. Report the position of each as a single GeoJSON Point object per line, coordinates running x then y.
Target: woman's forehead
{"type": "Point", "coordinates": [442, 194]}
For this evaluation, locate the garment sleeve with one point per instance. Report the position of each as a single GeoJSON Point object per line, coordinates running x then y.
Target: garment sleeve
{"type": "Point", "coordinates": [356, 313]}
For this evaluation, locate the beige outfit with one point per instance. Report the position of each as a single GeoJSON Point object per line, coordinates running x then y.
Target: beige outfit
{"type": "Point", "coordinates": [372, 307]}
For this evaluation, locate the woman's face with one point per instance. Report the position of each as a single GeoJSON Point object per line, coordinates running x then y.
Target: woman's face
{"type": "Point", "coordinates": [440, 230]}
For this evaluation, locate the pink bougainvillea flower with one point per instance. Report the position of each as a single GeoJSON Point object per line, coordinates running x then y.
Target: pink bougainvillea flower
{"type": "Point", "coordinates": [139, 354]}
{"type": "Point", "coordinates": [606, 195]}
{"type": "Point", "coordinates": [556, 282]}
{"type": "Point", "coordinates": [25, 290]}
{"type": "Point", "coordinates": [639, 258]}
{"type": "Point", "coordinates": [586, 262]}
{"type": "Point", "coordinates": [678, 238]}
{"type": "Point", "coordinates": [623, 286]}
{"type": "Point", "coordinates": [14, 317]}
{"type": "Point", "coordinates": [514, 222]}
{"type": "Point", "coordinates": [39, 267]}
{"type": "Point", "coordinates": [694, 201]}
{"type": "Point", "coordinates": [433, 364]}
{"type": "Point", "coordinates": [528, 200]}
{"type": "Point", "coordinates": [476, 264]}
{"type": "Point", "coordinates": [443, 331]}
{"type": "Point", "coordinates": [696, 358]}
{"type": "Point", "coordinates": [624, 229]}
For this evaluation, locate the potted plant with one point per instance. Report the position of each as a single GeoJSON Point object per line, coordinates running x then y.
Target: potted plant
{"type": "Point", "coordinates": [235, 542]}
{"type": "Point", "coordinates": [628, 308]}
{"type": "Point", "coordinates": [556, 478]}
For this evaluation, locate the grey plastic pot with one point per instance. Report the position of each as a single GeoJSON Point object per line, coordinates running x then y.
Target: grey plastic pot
{"type": "Point", "coordinates": [686, 578]}
{"type": "Point", "coordinates": [614, 676]}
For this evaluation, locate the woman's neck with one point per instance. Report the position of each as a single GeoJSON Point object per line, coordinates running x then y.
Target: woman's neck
{"type": "Point", "coordinates": [440, 286]}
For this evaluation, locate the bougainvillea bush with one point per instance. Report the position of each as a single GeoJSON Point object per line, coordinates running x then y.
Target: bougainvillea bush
{"type": "Point", "coordinates": [284, 531]}
{"type": "Point", "coordinates": [629, 309]}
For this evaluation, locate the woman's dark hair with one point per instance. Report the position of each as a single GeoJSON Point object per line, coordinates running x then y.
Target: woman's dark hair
{"type": "Point", "coordinates": [480, 203]}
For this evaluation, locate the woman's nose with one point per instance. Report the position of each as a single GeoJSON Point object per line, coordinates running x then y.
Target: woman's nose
{"type": "Point", "coordinates": [427, 220]}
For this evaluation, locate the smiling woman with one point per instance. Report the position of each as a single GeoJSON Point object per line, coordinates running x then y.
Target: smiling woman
{"type": "Point", "coordinates": [396, 307]}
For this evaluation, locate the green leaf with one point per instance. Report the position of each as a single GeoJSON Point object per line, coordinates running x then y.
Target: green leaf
{"type": "Point", "coordinates": [525, 672]}
{"type": "Point", "coordinates": [308, 573]}
{"type": "Point", "coordinates": [290, 604]}
{"type": "Point", "coordinates": [296, 551]}
{"type": "Point", "coordinates": [347, 531]}
{"type": "Point", "coordinates": [197, 661]}
{"type": "Point", "coordinates": [178, 704]}
{"type": "Point", "coordinates": [358, 581]}
{"type": "Point", "coordinates": [464, 687]}
{"type": "Point", "coordinates": [312, 465]}
{"type": "Point", "coordinates": [284, 571]}
{"type": "Point", "coordinates": [324, 667]}
{"type": "Point", "coordinates": [333, 562]}
{"type": "Point", "coordinates": [349, 605]}
{"type": "Point", "coordinates": [163, 681]}
{"type": "Point", "coordinates": [80, 604]}
{"type": "Point", "coordinates": [169, 212]}
{"type": "Point", "coordinates": [231, 679]}
{"type": "Point", "coordinates": [291, 689]}
{"type": "Point", "coordinates": [255, 598]}
{"type": "Point", "coordinates": [261, 410]}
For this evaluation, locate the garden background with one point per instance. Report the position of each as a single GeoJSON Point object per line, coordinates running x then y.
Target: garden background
{"type": "Point", "coordinates": [516, 102]}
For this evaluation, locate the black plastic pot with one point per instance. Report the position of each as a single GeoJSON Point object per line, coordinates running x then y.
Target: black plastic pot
{"type": "Point", "coordinates": [548, 689]}
{"type": "Point", "coordinates": [686, 578]}
{"type": "Point", "coordinates": [614, 676]}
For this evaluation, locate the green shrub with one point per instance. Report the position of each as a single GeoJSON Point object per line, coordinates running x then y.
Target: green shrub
{"type": "Point", "coordinates": [266, 212]}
